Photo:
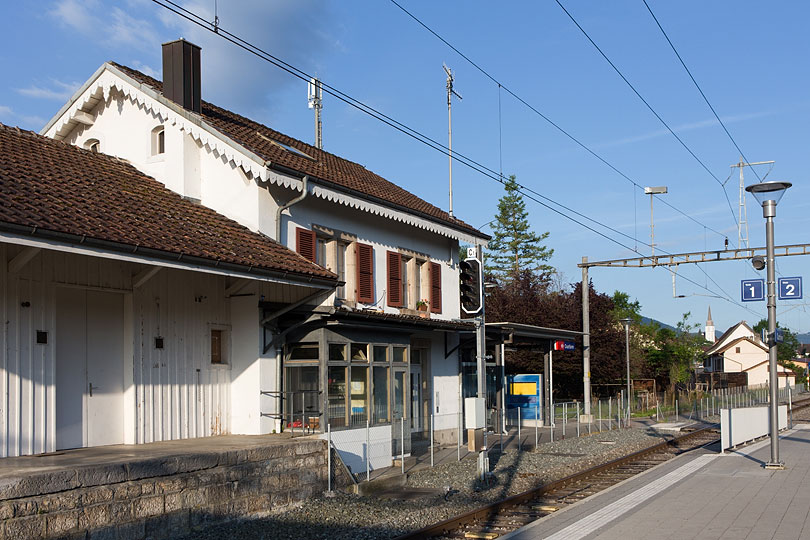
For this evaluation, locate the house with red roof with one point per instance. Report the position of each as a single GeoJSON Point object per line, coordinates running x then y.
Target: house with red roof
{"type": "Point", "coordinates": [353, 322]}
{"type": "Point", "coordinates": [740, 350]}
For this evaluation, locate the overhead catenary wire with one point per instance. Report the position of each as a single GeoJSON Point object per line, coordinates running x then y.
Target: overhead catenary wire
{"type": "Point", "coordinates": [699, 89]}
{"type": "Point", "coordinates": [474, 165]}
{"type": "Point", "coordinates": [652, 110]}
{"type": "Point", "coordinates": [461, 158]}
{"type": "Point", "coordinates": [539, 113]}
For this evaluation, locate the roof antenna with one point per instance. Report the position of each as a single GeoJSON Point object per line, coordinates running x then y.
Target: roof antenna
{"type": "Point", "coordinates": [315, 101]}
{"type": "Point", "coordinates": [216, 18]}
{"type": "Point", "coordinates": [450, 94]}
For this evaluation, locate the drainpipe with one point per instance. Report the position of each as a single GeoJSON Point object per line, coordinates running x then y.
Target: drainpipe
{"type": "Point", "coordinates": [283, 207]}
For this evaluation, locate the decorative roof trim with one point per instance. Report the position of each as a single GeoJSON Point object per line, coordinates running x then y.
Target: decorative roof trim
{"type": "Point", "coordinates": [347, 199]}
{"type": "Point", "coordinates": [109, 78]}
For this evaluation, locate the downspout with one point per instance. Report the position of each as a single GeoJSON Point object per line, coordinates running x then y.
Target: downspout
{"type": "Point", "coordinates": [279, 349]}
{"type": "Point", "coordinates": [283, 207]}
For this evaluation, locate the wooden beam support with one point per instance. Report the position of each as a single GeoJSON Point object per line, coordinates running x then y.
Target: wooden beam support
{"type": "Point", "coordinates": [237, 286]}
{"type": "Point", "coordinates": [84, 118]}
{"type": "Point", "coordinates": [144, 275]}
{"type": "Point", "coordinates": [21, 259]}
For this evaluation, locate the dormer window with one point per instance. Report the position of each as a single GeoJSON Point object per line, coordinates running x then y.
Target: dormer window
{"type": "Point", "coordinates": [93, 145]}
{"type": "Point", "coordinates": [158, 141]}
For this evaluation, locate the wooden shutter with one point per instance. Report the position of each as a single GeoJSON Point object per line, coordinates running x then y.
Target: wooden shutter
{"type": "Point", "coordinates": [393, 264]}
{"type": "Point", "coordinates": [364, 254]}
{"type": "Point", "coordinates": [435, 287]}
{"type": "Point", "coordinates": [305, 243]}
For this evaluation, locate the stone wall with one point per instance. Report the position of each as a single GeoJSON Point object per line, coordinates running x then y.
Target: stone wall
{"type": "Point", "coordinates": [163, 497]}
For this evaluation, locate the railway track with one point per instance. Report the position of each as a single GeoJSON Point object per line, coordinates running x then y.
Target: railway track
{"type": "Point", "coordinates": [499, 518]}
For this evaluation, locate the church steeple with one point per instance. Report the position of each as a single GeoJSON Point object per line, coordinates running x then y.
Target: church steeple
{"type": "Point", "coordinates": [709, 333]}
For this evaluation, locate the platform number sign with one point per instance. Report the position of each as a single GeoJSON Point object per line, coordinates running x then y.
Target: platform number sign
{"type": "Point", "coordinates": [753, 290]}
{"type": "Point", "coordinates": [790, 288]}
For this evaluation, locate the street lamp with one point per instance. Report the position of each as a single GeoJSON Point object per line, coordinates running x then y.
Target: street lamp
{"type": "Point", "coordinates": [768, 195]}
{"type": "Point", "coordinates": [626, 323]}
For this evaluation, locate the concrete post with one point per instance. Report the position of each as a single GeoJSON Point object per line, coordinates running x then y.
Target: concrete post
{"type": "Point", "coordinates": [586, 340]}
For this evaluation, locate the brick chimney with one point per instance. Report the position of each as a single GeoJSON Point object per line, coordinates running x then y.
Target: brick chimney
{"type": "Point", "coordinates": [181, 74]}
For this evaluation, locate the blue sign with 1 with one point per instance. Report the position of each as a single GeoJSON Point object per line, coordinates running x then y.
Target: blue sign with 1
{"type": "Point", "coordinates": [753, 290]}
{"type": "Point", "coordinates": [790, 288]}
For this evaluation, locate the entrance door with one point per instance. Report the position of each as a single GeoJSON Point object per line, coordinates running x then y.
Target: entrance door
{"type": "Point", "coordinates": [89, 368]}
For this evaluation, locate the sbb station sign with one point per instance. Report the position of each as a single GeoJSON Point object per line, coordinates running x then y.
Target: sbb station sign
{"type": "Point", "coordinates": [562, 345]}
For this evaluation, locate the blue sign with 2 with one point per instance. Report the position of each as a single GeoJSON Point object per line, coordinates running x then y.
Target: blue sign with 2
{"type": "Point", "coordinates": [753, 290]}
{"type": "Point", "coordinates": [790, 288]}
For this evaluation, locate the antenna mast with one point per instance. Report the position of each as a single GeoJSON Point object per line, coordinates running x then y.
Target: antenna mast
{"type": "Point", "coordinates": [742, 225]}
{"type": "Point", "coordinates": [450, 94]}
{"type": "Point", "coordinates": [315, 101]}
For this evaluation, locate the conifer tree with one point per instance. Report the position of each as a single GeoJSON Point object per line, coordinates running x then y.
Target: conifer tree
{"type": "Point", "coordinates": [514, 246]}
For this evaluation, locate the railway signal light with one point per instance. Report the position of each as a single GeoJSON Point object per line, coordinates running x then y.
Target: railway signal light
{"type": "Point", "coordinates": [471, 286]}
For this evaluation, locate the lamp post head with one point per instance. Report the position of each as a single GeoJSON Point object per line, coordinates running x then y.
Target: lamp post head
{"type": "Point", "coordinates": [626, 321]}
{"type": "Point", "coordinates": [768, 191]}
{"type": "Point", "coordinates": [655, 190]}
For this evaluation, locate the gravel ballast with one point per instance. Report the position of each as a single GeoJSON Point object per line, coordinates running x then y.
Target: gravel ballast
{"type": "Point", "coordinates": [348, 516]}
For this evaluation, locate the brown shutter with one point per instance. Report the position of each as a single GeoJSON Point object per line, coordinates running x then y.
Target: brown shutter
{"type": "Point", "coordinates": [435, 287]}
{"type": "Point", "coordinates": [305, 243]}
{"type": "Point", "coordinates": [365, 273]}
{"type": "Point", "coordinates": [393, 262]}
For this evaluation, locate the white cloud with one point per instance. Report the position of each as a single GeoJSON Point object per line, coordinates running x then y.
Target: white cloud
{"type": "Point", "coordinates": [131, 31]}
{"type": "Point", "coordinates": [113, 26]}
{"type": "Point", "coordinates": [77, 15]}
{"type": "Point", "coordinates": [147, 70]}
{"type": "Point", "coordinates": [231, 76]}
{"type": "Point", "coordinates": [27, 122]}
{"type": "Point", "coordinates": [288, 30]}
{"type": "Point", "coordinates": [682, 128]}
{"type": "Point", "coordinates": [59, 90]}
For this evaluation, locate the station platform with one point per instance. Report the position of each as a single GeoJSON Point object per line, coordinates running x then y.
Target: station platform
{"type": "Point", "coordinates": [702, 494]}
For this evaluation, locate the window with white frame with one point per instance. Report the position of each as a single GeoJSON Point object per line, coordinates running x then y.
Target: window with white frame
{"type": "Point", "coordinates": [158, 141]}
{"type": "Point", "coordinates": [94, 145]}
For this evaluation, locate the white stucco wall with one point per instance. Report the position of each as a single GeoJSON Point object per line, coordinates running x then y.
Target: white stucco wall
{"type": "Point", "coordinates": [383, 235]}
{"type": "Point", "coordinates": [749, 355]}
{"type": "Point", "coordinates": [189, 168]}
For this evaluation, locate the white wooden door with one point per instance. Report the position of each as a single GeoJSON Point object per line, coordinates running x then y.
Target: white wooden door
{"type": "Point", "coordinates": [105, 368]}
{"type": "Point", "coordinates": [89, 368]}
{"type": "Point", "coordinates": [71, 368]}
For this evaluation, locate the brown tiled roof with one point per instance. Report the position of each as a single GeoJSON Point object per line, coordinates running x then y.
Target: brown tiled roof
{"type": "Point", "coordinates": [324, 166]}
{"type": "Point", "coordinates": [58, 188]}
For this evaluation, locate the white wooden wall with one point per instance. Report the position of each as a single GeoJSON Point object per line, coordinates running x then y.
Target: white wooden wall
{"type": "Point", "coordinates": [179, 393]}
{"type": "Point", "coordinates": [27, 397]}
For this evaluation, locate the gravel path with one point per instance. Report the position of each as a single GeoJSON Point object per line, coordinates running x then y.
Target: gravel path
{"type": "Point", "coordinates": [346, 516]}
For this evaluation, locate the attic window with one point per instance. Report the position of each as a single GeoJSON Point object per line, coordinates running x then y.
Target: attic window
{"type": "Point", "coordinates": [286, 147]}
{"type": "Point", "coordinates": [93, 145]}
{"type": "Point", "coordinates": [158, 144]}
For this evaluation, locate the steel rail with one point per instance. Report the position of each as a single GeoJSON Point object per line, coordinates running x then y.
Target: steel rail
{"type": "Point", "coordinates": [444, 527]}
{"type": "Point", "coordinates": [492, 509]}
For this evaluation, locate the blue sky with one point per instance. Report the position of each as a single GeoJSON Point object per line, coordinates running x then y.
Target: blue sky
{"type": "Point", "coordinates": [750, 59]}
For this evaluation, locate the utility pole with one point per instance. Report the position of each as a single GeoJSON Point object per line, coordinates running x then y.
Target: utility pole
{"type": "Point", "coordinates": [315, 101]}
{"type": "Point", "coordinates": [586, 341]}
{"type": "Point", "coordinates": [742, 224]}
{"type": "Point", "coordinates": [450, 94]}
